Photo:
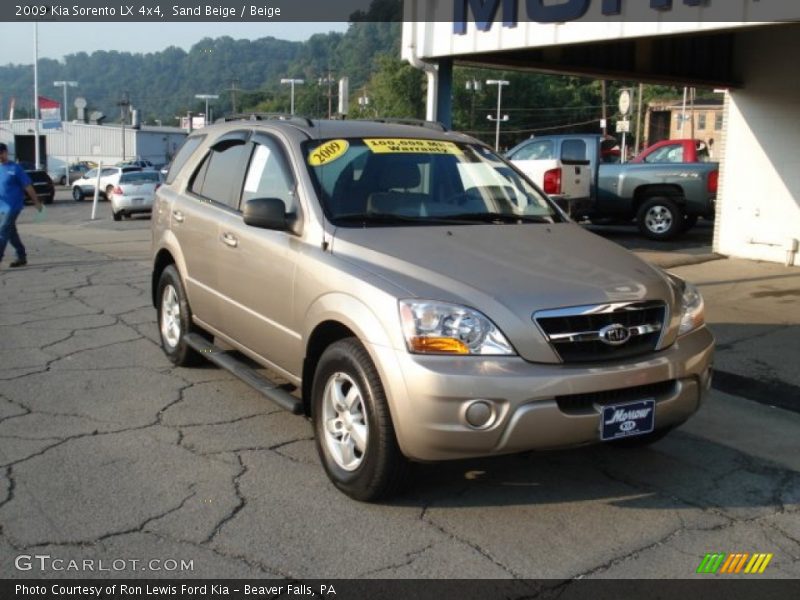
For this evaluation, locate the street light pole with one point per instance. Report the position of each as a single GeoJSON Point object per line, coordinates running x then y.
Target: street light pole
{"type": "Point", "coordinates": [65, 85]}
{"type": "Point", "coordinates": [499, 83]}
{"type": "Point", "coordinates": [292, 82]}
{"type": "Point", "coordinates": [206, 97]}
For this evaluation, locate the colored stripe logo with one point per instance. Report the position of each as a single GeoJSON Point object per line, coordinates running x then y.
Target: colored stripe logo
{"type": "Point", "coordinates": [741, 562]}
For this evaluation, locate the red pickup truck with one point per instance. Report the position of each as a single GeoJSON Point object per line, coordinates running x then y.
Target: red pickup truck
{"type": "Point", "coordinates": [674, 151]}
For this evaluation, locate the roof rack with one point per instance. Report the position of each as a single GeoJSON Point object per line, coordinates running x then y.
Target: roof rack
{"type": "Point", "coordinates": [418, 122]}
{"type": "Point", "coordinates": [265, 116]}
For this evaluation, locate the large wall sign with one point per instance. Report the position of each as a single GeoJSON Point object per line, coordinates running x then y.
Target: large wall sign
{"type": "Point", "coordinates": [485, 11]}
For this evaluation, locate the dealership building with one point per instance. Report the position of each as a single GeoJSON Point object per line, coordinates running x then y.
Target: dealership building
{"type": "Point", "coordinates": [77, 141]}
{"type": "Point", "coordinates": [747, 48]}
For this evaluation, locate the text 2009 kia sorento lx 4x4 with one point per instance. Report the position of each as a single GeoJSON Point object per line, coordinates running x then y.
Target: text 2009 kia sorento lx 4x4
{"type": "Point", "coordinates": [426, 301]}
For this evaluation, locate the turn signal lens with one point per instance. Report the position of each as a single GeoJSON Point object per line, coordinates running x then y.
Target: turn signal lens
{"type": "Point", "coordinates": [432, 327]}
{"type": "Point", "coordinates": [437, 345]}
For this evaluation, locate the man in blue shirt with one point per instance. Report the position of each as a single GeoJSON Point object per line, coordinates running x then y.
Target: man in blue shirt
{"type": "Point", "coordinates": [14, 184]}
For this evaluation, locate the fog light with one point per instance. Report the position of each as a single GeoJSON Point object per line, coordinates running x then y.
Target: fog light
{"type": "Point", "coordinates": [480, 414]}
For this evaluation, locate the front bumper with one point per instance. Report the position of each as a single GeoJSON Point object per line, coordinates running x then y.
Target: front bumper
{"type": "Point", "coordinates": [429, 396]}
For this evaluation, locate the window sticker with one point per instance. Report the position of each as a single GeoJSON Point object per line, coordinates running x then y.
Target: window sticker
{"type": "Point", "coordinates": [327, 152]}
{"type": "Point", "coordinates": [405, 145]}
{"type": "Point", "coordinates": [257, 165]}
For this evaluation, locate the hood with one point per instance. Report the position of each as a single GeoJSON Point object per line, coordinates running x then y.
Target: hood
{"type": "Point", "coordinates": [506, 271]}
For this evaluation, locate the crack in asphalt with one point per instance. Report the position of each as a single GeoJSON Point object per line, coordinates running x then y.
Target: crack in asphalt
{"type": "Point", "coordinates": [227, 422]}
{"type": "Point", "coordinates": [474, 545]}
{"type": "Point", "coordinates": [98, 541]}
{"type": "Point", "coordinates": [242, 502]}
{"type": "Point", "coordinates": [410, 557]}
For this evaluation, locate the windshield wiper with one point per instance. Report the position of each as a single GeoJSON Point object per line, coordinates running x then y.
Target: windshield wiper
{"type": "Point", "coordinates": [495, 217]}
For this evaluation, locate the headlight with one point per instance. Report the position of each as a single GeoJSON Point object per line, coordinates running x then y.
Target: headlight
{"type": "Point", "coordinates": [440, 328]}
{"type": "Point", "coordinates": [692, 309]}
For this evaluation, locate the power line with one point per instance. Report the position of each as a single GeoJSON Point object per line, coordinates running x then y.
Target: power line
{"type": "Point", "coordinates": [565, 126]}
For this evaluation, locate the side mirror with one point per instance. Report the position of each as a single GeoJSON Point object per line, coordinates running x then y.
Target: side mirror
{"type": "Point", "coordinates": [266, 213]}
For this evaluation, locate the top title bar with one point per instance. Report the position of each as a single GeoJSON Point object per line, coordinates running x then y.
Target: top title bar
{"type": "Point", "coordinates": [482, 14]}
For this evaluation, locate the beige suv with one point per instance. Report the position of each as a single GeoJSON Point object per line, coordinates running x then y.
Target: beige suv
{"type": "Point", "coordinates": [422, 298]}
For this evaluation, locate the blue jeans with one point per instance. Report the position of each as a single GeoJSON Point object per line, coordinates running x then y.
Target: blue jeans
{"type": "Point", "coordinates": [8, 231]}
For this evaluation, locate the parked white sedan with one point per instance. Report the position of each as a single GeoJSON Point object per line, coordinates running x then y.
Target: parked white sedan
{"type": "Point", "coordinates": [109, 177]}
{"type": "Point", "coordinates": [134, 193]}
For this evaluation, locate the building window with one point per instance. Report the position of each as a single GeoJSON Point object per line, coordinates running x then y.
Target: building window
{"type": "Point", "coordinates": [718, 121]}
{"type": "Point", "coordinates": [701, 120]}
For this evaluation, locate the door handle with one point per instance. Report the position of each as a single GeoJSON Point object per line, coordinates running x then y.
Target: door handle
{"type": "Point", "coordinates": [230, 240]}
{"type": "Point", "coordinates": [178, 216]}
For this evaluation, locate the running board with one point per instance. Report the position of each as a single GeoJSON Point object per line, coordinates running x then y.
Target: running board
{"type": "Point", "coordinates": [247, 374]}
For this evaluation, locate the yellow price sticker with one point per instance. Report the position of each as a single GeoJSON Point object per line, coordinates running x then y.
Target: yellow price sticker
{"type": "Point", "coordinates": [327, 152]}
{"type": "Point", "coordinates": [407, 145]}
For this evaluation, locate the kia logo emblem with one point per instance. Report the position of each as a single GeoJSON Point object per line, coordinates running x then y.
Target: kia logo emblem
{"type": "Point", "coordinates": [614, 335]}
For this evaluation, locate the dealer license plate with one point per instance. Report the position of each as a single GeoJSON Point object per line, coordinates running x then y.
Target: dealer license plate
{"type": "Point", "coordinates": [625, 420]}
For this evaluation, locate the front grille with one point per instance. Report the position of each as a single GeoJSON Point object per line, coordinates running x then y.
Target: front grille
{"type": "Point", "coordinates": [585, 403]}
{"type": "Point", "coordinates": [574, 333]}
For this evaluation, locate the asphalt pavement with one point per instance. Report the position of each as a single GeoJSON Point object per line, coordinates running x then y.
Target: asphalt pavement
{"type": "Point", "coordinates": [108, 452]}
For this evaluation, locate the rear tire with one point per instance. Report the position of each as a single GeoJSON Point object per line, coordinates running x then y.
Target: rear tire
{"type": "Point", "coordinates": [660, 218]}
{"type": "Point", "coordinates": [77, 194]}
{"type": "Point", "coordinates": [354, 433]}
{"type": "Point", "coordinates": [175, 319]}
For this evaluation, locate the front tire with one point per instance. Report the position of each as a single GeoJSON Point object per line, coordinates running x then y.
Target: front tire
{"type": "Point", "coordinates": [353, 428]}
{"type": "Point", "coordinates": [175, 319]}
{"type": "Point", "coordinates": [660, 218]}
{"type": "Point", "coordinates": [77, 194]}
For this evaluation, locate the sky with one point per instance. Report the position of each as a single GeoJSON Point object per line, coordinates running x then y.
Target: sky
{"type": "Point", "coordinates": [58, 39]}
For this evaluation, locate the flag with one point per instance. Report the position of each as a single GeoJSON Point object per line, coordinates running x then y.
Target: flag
{"type": "Point", "coordinates": [50, 113]}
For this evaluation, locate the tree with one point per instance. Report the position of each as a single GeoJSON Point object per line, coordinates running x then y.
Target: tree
{"type": "Point", "coordinates": [396, 89]}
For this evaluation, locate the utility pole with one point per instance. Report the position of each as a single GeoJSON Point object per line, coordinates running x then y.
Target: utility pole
{"type": "Point", "coordinates": [233, 89]}
{"type": "Point", "coordinates": [474, 87]}
{"type": "Point", "coordinates": [499, 83]}
{"type": "Point", "coordinates": [124, 104]}
{"type": "Point", "coordinates": [328, 79]}
{"type": "Point", "coordinates": [65, 85]}
{"type": "Point", "coordinates": [639, 119]}
{"type": "Point", "coordinates": [603, 102]}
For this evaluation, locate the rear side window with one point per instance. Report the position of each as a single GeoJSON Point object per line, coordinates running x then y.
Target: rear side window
{"type": "Point", "coordinates": [219, 178]}
{"type": "Point", "coordinates": [185, 151]}
{"type": "Point", "coordinates": [542, 150]}
{"type": "Point", "coordinates": [573, 151]}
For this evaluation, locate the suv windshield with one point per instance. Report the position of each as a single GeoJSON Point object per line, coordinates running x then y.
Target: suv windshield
{"type": "Point", "coordinates": [381, 181]}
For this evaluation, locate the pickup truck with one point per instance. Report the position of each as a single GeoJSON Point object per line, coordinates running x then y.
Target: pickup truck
{"type": "Point", "coordinates": [665, 199]}
{"type": "Point", "coordinates": [674, 151]}
{"type": "Point", "coordinates": [558, 165]}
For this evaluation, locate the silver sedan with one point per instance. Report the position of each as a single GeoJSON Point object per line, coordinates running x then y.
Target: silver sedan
{"type": "Point", "coordinates": [134, 193]}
